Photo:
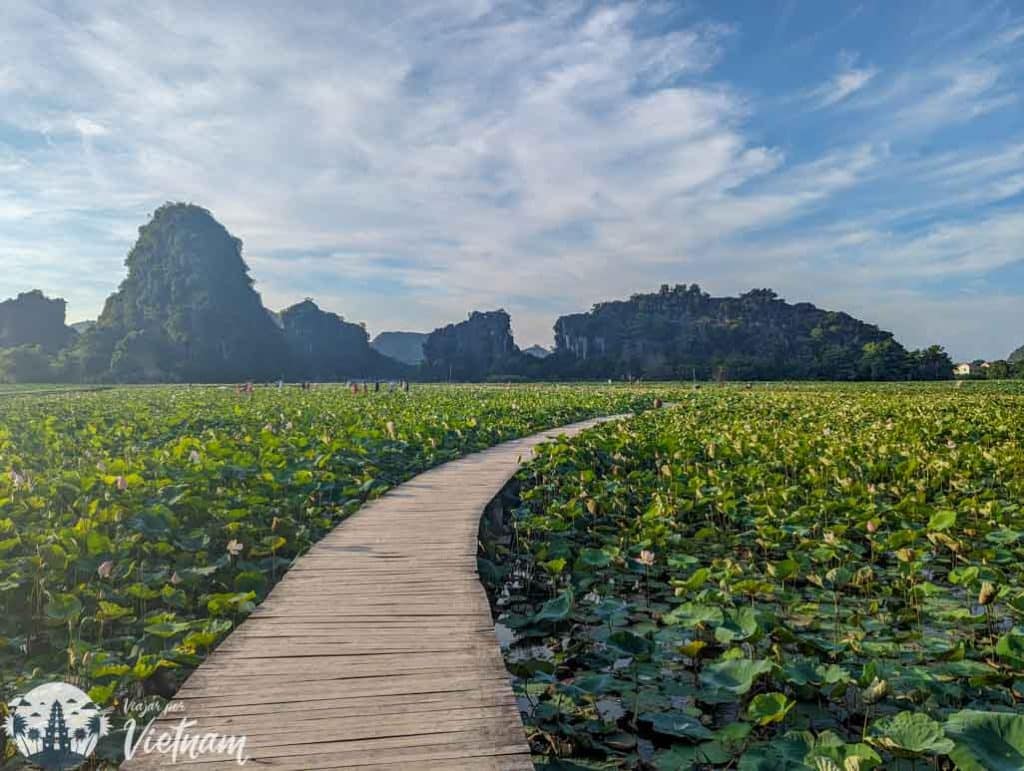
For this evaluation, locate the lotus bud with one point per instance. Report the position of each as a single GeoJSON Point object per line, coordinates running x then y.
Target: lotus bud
{"type": "Point", "coordinates": [872, 526]}
{"type": "Point", "coordinates": [194, 456]}
{"type": "Point", "coordinates": [877, 691]}
{"type": "Point", "coordinates": [17, 480]}
{"type": "Point", "coordinates": [105, 569]}
{"type": "Point", "coordinates": [121, 483]}
{"type": "Point", "coordinates": [987, 594]}
{"type": "Point", "coordinates": [592, 506]}
{"type": "Point", "coordinates": [175, 578]}
{"type": "Point", "coordinates": [390, 427]}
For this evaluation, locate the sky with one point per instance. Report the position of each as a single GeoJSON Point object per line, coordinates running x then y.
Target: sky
{"type": "Point", "coordinates": [404, 163]}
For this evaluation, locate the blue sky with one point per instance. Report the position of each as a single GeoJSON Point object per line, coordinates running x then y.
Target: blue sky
{"type": "Point", "coordinates": [407, 162]}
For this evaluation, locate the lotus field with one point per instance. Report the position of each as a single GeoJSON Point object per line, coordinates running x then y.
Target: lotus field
{"type": "Point", "coordinates": [139, 526]}
{"type": "Point", "coordinates": [774, 579]}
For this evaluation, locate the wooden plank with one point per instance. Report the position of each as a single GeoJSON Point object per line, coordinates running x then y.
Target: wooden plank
{"type": "Point", "coordinates": [377, 648]}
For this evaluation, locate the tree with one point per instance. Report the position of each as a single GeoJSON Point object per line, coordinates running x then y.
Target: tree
{"type": "Point", "coordinates": [998, 370]}
{"type": "Point", "coordinates": [27, 364]}
{"type": "Point", "coordinates": [932, 363]}
{"type": "Point", "coordinates": [884, 360]}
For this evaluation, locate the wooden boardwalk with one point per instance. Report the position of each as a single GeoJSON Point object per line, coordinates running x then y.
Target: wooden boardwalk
{"type": "Point", "coordinates": [377, 649]}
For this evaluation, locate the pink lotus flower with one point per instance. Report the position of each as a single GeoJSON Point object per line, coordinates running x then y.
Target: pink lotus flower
{"type": "Point", "coordinates": [105, 569]}
{"type": "Point", "coordinates": [646, 558]}
{"type": "Point", "coordinates": [175, 578]}
{"type": "Point", "coordinates": [17, 480]}
{"type": "Point", "coordinates": [194, 456]}
{"type": "Point", "coordinates": [121, 483]}
{"type": "Point", "coordinates": [235, 547]}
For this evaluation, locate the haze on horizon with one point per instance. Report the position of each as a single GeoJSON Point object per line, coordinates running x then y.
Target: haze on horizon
{"type": "Point", "coordinates": [405, 163]}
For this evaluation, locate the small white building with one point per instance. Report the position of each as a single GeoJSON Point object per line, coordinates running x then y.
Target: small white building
{"type": "Point", "coordinates": [967, 369]}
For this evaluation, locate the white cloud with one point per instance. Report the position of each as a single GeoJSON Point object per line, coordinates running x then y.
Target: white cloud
{"type": "Point", "coordinates": [89, 128]}
{"type": "Point", "coordinates": [409, 161]}
{"type": "Point", "coordinates": [849, 80]}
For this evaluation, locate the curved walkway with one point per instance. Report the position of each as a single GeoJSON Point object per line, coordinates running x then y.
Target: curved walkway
{"type": "Point", "coordinates": [377, 649]}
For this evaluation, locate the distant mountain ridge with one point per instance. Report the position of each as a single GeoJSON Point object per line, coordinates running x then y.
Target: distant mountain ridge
{"type": "Point", "coordinates": [682, 330]}
{"type": "Point", "coordinates": [31, 318]}
{"type": "Point", "coordinates": [475, 349]}
{"type": "Point", "coordinates": [406, 347]}
{"type": "Point", "coordinates": [326, 347]}
{"type": "Point", "coordinates": [187, 311]}
{"type": "Point", "coordinates": [537, 351]}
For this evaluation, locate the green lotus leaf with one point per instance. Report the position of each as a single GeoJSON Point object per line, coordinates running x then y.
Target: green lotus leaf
{"type": "Point", "coordinates": [593, 558]}
{"type": "Point", "coordinates": [986, 741]}
{"type": "Point", "coordinates": [942, 520]}
{"type": "Point", "coordinates": [630, 644]}
{"type": "Point", "coordinates": [736, 676]}
{"type": "Point", "coordinates": [678, 724]}
{"type": "Point", "coordinates": [555, 610]}
{"type": "Point", "coordinates": [910, 733]}
{"type": "Point", "coordinates": [111, 611]}
{"type": "Point", "coordinates": [679, 758]}
{"type": "Point", "coordinates": [167, 629]}
{"type": "Point", "coordinates": [1010, 648]}
{"type": "Point", "coordinates": [63, 608]}
{"type": "Point", "coordinates": [768, 708]}
{"type": "Point", "coordinates": [692, 614]}
{"type": "Point", "coordinates": [251, 581]}
{"type": "Point", "coordinates": [737, 625]}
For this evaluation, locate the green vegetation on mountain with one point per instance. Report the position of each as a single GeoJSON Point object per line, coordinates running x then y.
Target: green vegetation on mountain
{"type": "Point", "coordinates": [186, 312]}
{"type": "Point", "coordinates": [478, 348]}
{"type": "Point", "coordinates": [326, 347]}
{"type": "Point", "coordinates": [406, 347]}
{"type": "Point", "coordinates": [31, 318]}
{"type": "Point", "coordinates": [32, 331]}
{"type": "Point", "coordinates": [1017, 356]}
{"type": "Point", "coordinates": [681, 331]}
